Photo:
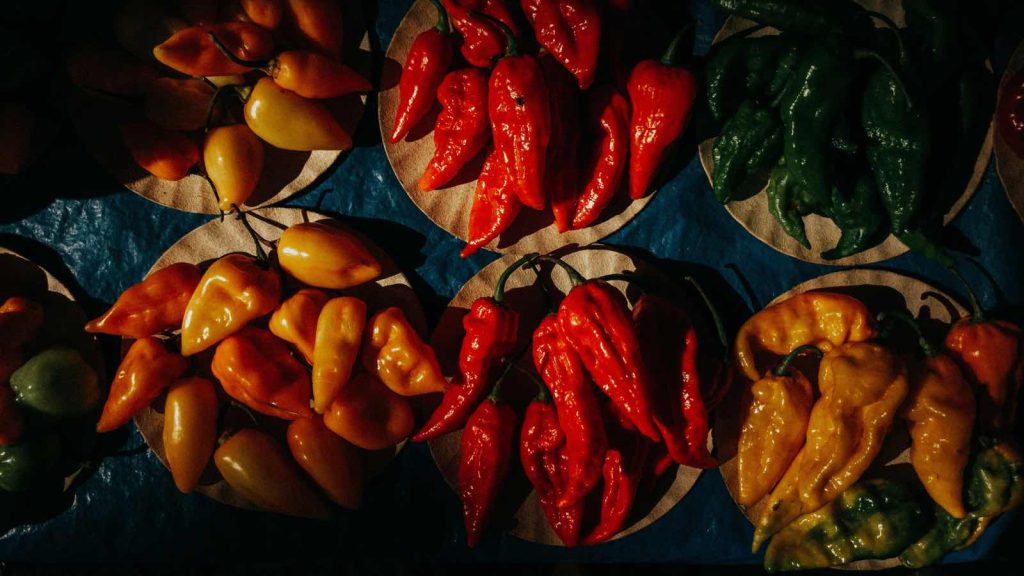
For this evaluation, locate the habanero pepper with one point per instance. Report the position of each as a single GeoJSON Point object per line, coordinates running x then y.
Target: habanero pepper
{"type": "Point", "coordinates": [325, 255]}
{"type": "Point", "coordinates": [339, 334]}
{"type": "Point", "coordinates": [395, 353]}
{"type": "Point", "coordinates": [477, 23]}
{"type": "Point", "coordinates": [368, 414]}
{"type": "Point", "coordinates": [257, 369]}
{"type": "Point", "coordinates": [288, 121]}
{"type": "Point", "coordinates": [462, 129]}
{"type": "Point", "coordinates": [318, 24]}
{"type": "Point", "coordinates": [233, 160]}
{"type": "Point", "coordinates": [147, 369]}
{"type": "Point", "coordinates": [562, 169]}
{"type": "Point", "coordinates": [190, 430]}
{"type": "Point", "coordinates": [662, 95]}
{"type": "Point", "coordinates": [491, 330]}
{"type": "Point", "coordinates": [495, 204]}
{"type": "Point", "coordinates": [193, 52]}
{"type": "Point", "coordinates": [609, 112]}
{"type": "Point", "coordinates": [166, 154]}
{"type": "Point", "coordinates": [429, 58]}
{"type": "Point", "coordinates": [570, 30]}
{"type": "Point", "coordinates": [334, 465]}
{"type": "Point", "coordinates": [154, 305]}
{"type": "Point", "coordinates": [295, 320]}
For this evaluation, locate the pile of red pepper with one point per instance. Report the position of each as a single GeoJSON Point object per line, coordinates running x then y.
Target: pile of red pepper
{"type": "Point", "coordinates": [521, 109]}
{"type": "Point", "coordinates": [607, 413]}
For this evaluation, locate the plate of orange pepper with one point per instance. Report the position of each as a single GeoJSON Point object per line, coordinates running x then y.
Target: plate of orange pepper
{"type": "Point", "coordinates": [234, 106]}
{"type": "Point", "coordinates": [270, 361]}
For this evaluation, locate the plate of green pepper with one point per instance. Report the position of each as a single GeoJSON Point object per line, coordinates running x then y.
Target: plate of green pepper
{"type": "Point", "coordinates": [848, 132]}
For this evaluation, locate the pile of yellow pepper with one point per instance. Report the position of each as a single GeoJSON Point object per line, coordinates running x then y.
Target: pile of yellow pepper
{"type": "Point", "coordinates": [274, 336]}
{"type": "Point", "coordinates": [281, 58]}
{"type": "Point", "coordinates": [825, 389]}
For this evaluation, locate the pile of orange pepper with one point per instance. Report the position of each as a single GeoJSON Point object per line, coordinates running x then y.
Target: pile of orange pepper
{"type": "Point", "coordinates": [282, 58]}
{"type": "Point", "coordinates": [277, 337]}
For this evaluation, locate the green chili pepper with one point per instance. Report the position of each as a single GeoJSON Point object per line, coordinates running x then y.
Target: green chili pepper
{"type": "Point", "coordinates": [749, 145]}
{"type": "Point", "coordinates": [873, 519]}
{"type": "Point", "coordinates": [24, 463]}
{"type": "Point", "coordinates": [946, 535]}
{"type": "Point", "coordinates": [811, 17]}
{"type": "Point", "coordinates": [860, 217]}
{"type": "Point", "coordinates": [754, 68]}
{"type": "Point", "coordinates": [782, 201]}
{"type": "Point", "coordinates": [56, 383]}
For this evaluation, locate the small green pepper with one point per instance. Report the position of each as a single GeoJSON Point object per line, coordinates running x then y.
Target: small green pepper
{"type": "Point", "coordinates": [860, 217]}
{"type": "Point", "coordinates": [754, 68]}
{"type": "Point", "coordinates": [24, 463]}
{"type": "Point", "coordinates": [782, 204]}
{"type": "Point", "coordinates": [56, 383]}
{"type": "Point", "coordinates": [749, 145]}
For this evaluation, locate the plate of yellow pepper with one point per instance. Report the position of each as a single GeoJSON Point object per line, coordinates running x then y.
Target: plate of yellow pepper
{"type": "Point", "coordinates": [270, 361]}
{"type": "Point", "coordinates": [868, 423]}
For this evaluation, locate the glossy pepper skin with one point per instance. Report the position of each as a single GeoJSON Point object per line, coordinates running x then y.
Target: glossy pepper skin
{"type": "Point", "coordinates": [396, 354]}
{"type": "Point", "coordinates": [749, 145]}
{"type": "Point", "coordinates": [860, 216]}
{"type": "Point", "coordinates": [785, 203]}
{"type": "Point", "coordinates": [482, 38]}
{"type": "Point", "coordinates": [491, 329]}
{"type": "Point", "coordinates": [233, 159]}
{"type": "Point", "coordinates": [571, 31]}
{"type": "Point", "coordinates": [495, 204]}
{"type": "Point", "coordinates": [579, 414]}
{"type": "Point", "coordinates": [166, 154]}
{"type": "Point", "coordinates": [662, 96]}
{"type": "Point", "coordinates": [335, 465]}
{"type": "Point", "coordinates": [288, 121]}
{"type": "Point", "coordinates": [873, 519]}
{"type": "Point", "coordinates": [55, 384]}
{"type": "Point", "coordinates": [484, 455]}
{"type": "Point", "coordinates": [318, 24]}
{"type": "Point", "coordinates": [429, 59]}
{"type": "Point", "coordinates": [368, 414]}
{"type": "Point", "coordinates": [154, 305]}
{"type": "Point", "coordinates": [862, 387]}
{"type": "Point", "coordinates": [563, 178]}
{"type": "Point", "coordinates": [295, 320]}
{"type": "Point", "coordinates": [757, 67]}
{"type": "Point", "coordinates": [609, 111]}
{"type": "Point", "coordinates": [623, 465]}
{"type": "Point", "coordinates": [190, 430]}
{"type": "Point", "coordinates": [192, 52]}
{"type": "Point", "coordinates": [824, 319]}
{"type": "Point", "coordinates": [311, 74]}
{"type": "Point", "coordinates": [257, 369]}
{"type": "Point", "coordinates": [262, 471]}
{"type": "Point", "coordinates": [339, 334]}
{"type": "Point", "coordinates": [326, 256]}
{"type": "Point", "coordinates": [462, 129]}
{"type": "Point", "coordinates": [234, 290]}
{"type": "Point", "coordinates": [521, 123]}
{"type": "Point", "coordinates": [146, 370]}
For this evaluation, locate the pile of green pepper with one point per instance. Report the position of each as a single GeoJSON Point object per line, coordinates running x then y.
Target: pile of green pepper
{"type": "Point", "coordinates": [874, 128]}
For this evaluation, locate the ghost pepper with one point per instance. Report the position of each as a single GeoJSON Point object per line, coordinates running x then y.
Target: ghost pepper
{"type": "Point", "coordinates": [477, 23]}
{"type": "Point", "coordinates": [396, 354]}
{"type": "Point", "coordinates": [257, 369]}
{"type": "Point", "coordinates": [562, 170]}
{"type": "Point", "coordinates": [429, 58]}
{"type": "Point", "coordinates": [609, 114]}
{"type": "Point", "coordinates": [146, 370]}
{"type": "Point", "coordinates": [462, 129]}
{"type": "Point", "coordinates": [339, 334]}
{"type": "Point", "coordinates": [495, 204]}
{"type": "Point", "coordinates": [571, 31]}
{"type": "Point", "coordinates": [484, 455]}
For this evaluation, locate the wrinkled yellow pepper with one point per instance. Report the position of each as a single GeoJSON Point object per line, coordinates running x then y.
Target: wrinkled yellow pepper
{"type": "Point", "coordinates": [396, 354]}
{"type": "Point", "coordinates": [339, 333]}
{"type": "Point", "coordinates": [294, 320]}
{"type": "Point", "coordinates": [325, 256]}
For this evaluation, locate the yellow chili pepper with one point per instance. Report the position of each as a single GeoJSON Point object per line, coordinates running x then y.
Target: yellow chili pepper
{"type": "Point", "coordinates": [339, 333]}
{"type": "Point", "coordinates": [190, 430]}
{"type": "Point", "coordinates": [295, 320]}
{"type": "Point", "coordinates": [147, 369]}
{"type": "Point", "coordinates": [824, 319]}
{"type": "Point", "coordinates": [325, 256]}
{"type": "Point", "coordinates": [775, 414]}
{"type": "Point", "coordinates": [862, 387]}
{"type": "Point", "coordinates": [235, 289]}
{"type": "Point", "coordinates": [331, 461]}
{"type": "Point", "coordinates": [288, 121]}
{"type": "Point", "coordinates": [369, 415]}
{"type": "Point", "coordinates": [399, 357]}
{"type": "Point", "coordinates": [233, 158]}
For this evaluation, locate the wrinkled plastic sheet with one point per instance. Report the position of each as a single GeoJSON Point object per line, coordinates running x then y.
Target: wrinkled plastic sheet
{"type": "Point", "coordinates": [98, 238]}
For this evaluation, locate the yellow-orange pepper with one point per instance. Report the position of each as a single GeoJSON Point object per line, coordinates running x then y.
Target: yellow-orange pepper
{"type": "Point", "coordinates": [319, 23]}
{"type": "Point", "coordinates": [295, 320]}
{"type": "Point", "coordinates": [313, 75]}
{"type": "Point", "coordinates": [260, 469]}
{"type": "Point", "coordinates": [862, 387]}
{"type": "Point", "coordinates": [266, 13]}
{"type": "Point", "coordinates": [326, 256]}
{"type": "Point", "coordinates": [178, 104]}
{"type": "Point", "coordinates": [166, 154]}
{"type": "Point", "coordinates": [288, 121]}
{"type": "Point", "coordinates": [775, 414]}
{"type": "Point", "coordinates": [233, 159]}
{"type": "Point", "coordinates": [235, 289]}
{"type": "Point", "coordinates": [151, 306]}
{"type": "Point", "coordinates": [192, 51]}
{"type": "Point", "coordinates": [399, 357]}
{"type": "Point", "coordinates": [824, 319]}
{"type": "Point", "coordinates": [339, 334]}
{"type": "Point", "coordinates": [370, 415]}
{"type": "Point", "coordinates": [331, 461]}
{"type": "Point", "coordinates": [146, 370]}
{"type": "Point", "coordinates": [190, 430]}
{"type": "Point", "coordinates": [257, 369]}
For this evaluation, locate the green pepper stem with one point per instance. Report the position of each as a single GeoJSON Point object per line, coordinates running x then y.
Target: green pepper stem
{"type": "Point", "coordinates": [574, 276]}
{"type": "Point", "coordinates": [977, 313]}
{"type": "Point", "coordinates": [499, 288]}
{"type": "Point", "coordinates": [783, 368]}
{"type": "Point", "coordinates": [261, 254]}
{"type": "Point", "coordinates": [442, 25]}
{"type": "Point", "coordinates": [716, 318]}
{"type": "Point", "coordinates": [894, 28]}
{"type": "Point", "coordinates": [630, 277]}
{"type": "Point", "coordinates": [927, 347]}
{"type": "Point", "coordinates": [261, 64]}
{"type": "Point", "coordinates": [511, 44]}
{"type": "Point", "coordinates": [671, 56]}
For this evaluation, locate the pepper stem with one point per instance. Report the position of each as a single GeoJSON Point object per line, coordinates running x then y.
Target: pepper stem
{"type": "Point", "coordinates": [895, 30]}
{"type": "Point", "coordinates": [671, 55]}
{"type": "Point", "coordinates": [442, 18]}
{"type": "Point", "coordinates": [977, 313]}
{"type": "Point", "coordinates": [716, 318]}
{"type": "Point", "coordinates": [499, 288]}
{"type": "Point", "coordinates": [628, 276]}
{"type": "Point", "coordinates": [783, 368]}
{"type": "Point", "coordinates": [261, 254]}
{"type": "Point", "coordinates": [927, 347]}
{"type": "Point", "coordinates": [262, 64]}
{"type": "Point", "coordinates": [574, 276]}
{"type": "Point", "coordinates": [543, 395]}
{"type": "Point", "coordinates": [511, 44]}
{"type": "Point", "coordinates": [495, 394]}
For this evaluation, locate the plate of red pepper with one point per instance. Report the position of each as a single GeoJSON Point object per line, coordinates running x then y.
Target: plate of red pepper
{"type": "Point", "coordinates": [586, 434]}
{"type": "Point", "coordinates": [206, 107]}
{"type": "Point", "coordinates": [522, 126]}
{"type": "Point", "coordinates": [1009, 141]}
{"type": "Point", "coordinates": [261, 361]}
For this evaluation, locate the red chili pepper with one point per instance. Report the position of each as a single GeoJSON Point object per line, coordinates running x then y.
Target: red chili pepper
{"type": "Point", "coordinates": [495, 204]}
{"type": "Point", "coordinates": [609, 112]}
{"type": "Point", "coordinates": [571, 31]}
{"type": "Point", "coordinates": [543, 453]}
{"type": "Point", "coordinates": [482, 38]}
{"type": "Point", "coordinates": [484, 456]}
{"type": "Point", "coordinates": [562, 169]}
{"type": "Point", "coordinates": [429, 58]}
{"type": "Point", "coordinates": [521, 121]}
{"type": "Point", "coordinates": [578, 410]}
{"type": "Point", "coordinates": [1011, 114]}
{"type": "Point", "coordinates": [595, 319]}
{"type": "Point", "coordinates": [662, 95]}
{"type": "Point", "coordinates": [621, 472]}
{"type": "Point", "coordinates": [462, 128]}
{"type": "Point", "coordinates": [491, 332]}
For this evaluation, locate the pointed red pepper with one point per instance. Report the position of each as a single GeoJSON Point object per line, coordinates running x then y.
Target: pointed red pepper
{"type": "Point", "coordinates": [428, 60]}
{"type": "Point", "coordinates": [482, 39]}
{"type": "Point", "coordinates": [562, 168]}
{"type": "Point", "coordinates": [609, 113]}
{"type": "Point", "coordinates": [462, 128]}
{"type": "Point", "coordinates": [571, 31]}
{"type": "Point", "coordinates": [495, 204]}
{"type": "Point", "coordinates": [622, 472]}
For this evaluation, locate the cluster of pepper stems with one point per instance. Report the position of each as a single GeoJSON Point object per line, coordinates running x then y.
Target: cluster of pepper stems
{"type": "Point", "coordinates": [522, 110]}
{"type": "Point", "coordinates": [608, 412]}
{"type": "Point", "coordinates": [285, 106]}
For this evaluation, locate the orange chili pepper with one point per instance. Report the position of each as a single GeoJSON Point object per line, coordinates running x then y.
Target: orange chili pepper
{"type": "Point", "coordinates": [146, 370]}
{"type": "Point", "coordinates": [331, 461]}
{"type": "Point", "coordinates": [178, 104]}
{"type": "Point", "coordinates": [151, 306]}
{"type": "Point", "coordinates": [266, 13]}
{"type": "Point", "coordinates": [339, 334]}
{"type": "Point", "coordinates": [190, 430]}
{"type": "Point", "coordinates": [368, 414]}
{"type": "Point", "coordinates": [166, 154]}
{"type": "Point", "coordinates": [295, 320]}
{"type": "Point", "coordinates": [326, 256]}
{"type": "Point", "coordinates": [319, 23]}
{"type": "Point", "coordinates": [233, 158]}
{"type": "Point", "coordinates": [192, 51]}
{"type": "Point", "coordinates": [257, 369]}
{"type": "Point", "coordinates": [396, 354]}
{"type": "Point", "coordinates": [288, 121]}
